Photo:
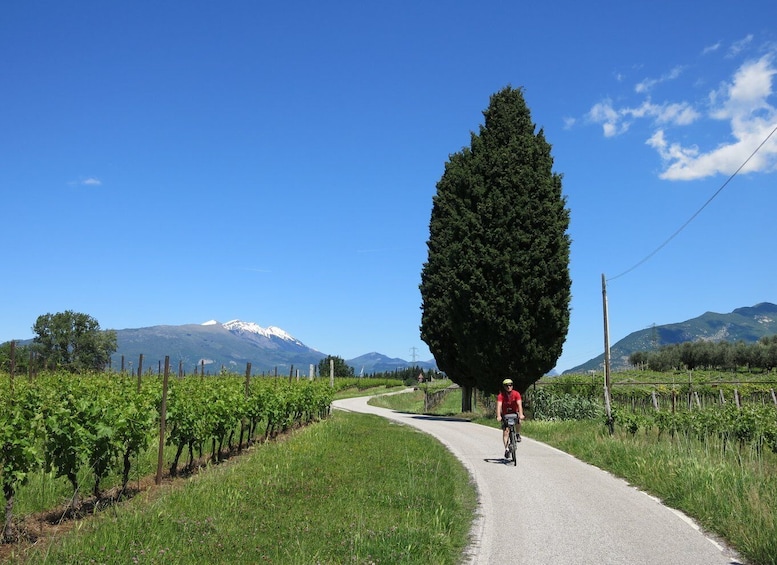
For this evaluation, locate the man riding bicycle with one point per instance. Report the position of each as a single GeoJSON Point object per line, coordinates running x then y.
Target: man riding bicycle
{"type": "Point", "coordinates": [508, 401]}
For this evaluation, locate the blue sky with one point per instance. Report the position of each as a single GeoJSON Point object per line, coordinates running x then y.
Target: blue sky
{"type": "Point", "coordinates": [176, 162]}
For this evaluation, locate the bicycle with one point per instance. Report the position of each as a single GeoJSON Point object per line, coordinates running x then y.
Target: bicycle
{"type": "Point", "coordinates": [512, 441]}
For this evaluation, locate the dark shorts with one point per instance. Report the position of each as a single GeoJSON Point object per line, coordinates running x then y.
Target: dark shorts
{"type": "Point", "coordinates": [504, 423]}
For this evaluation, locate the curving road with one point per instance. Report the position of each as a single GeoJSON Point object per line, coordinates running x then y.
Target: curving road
{"type": "Point", "coordinates": [553, 509]}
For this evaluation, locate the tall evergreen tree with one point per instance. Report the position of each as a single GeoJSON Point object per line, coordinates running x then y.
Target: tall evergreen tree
{"type": "Point", "coordinates": [496, 285]}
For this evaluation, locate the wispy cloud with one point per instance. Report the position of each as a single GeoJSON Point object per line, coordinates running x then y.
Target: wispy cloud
{"type": "Point", "coordinates": [255, 270]}
{"type": "Point", "coordinates": [711, 48]}
{"type": "Point", "coordinates": [89, 181]}
{"type": "Point", "coordinates": [648, 83]}
{"type": "Point", "coordinates": [616, 121]}
{"type": "Point", "coordinates": [739, 46]}
{"type": "Point", "coordinates": [745, 102]}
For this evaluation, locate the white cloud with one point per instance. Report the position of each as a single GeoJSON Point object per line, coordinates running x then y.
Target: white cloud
{"type": "Point", "coordinates": [89, 181]}
{"type": "Point", "coordinates": [611, 119]}
{"type": "Point", "coordinates": [681, 114]}
{"type": "Point", "coordinates": [616, 121]}
{"type": "Point", "coordinates": [745, 103]}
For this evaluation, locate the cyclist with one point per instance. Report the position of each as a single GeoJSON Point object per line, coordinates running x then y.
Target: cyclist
{"type": "Point", "coordinates": [508, 401]}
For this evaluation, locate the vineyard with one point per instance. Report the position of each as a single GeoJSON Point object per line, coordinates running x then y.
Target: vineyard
{"type": "Point", "coordinates": [89, 431]}
{"type": "Point", "coordinates": [702, 406]}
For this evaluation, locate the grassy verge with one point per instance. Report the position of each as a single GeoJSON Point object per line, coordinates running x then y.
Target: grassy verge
{"type": "Point", "coordinates": [413, 402]}
{"type": "Point", "coordinates": [354, 489]}
{"type": "Point", "coordinates": [353, 392]}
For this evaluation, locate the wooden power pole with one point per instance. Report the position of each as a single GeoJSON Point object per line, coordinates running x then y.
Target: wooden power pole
{"type": "Point", "coordinates": [607, 406]}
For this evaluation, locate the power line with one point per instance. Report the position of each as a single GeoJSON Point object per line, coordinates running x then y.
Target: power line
{"type": "Point", "coordinates": [681, 228]}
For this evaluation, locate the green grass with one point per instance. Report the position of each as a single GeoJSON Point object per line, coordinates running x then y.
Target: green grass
{"type": "Point", "coordinates": [352, 489]}
{"type": "Point", "coordinates": [354, 392]}
{"type": "Point", "coordinates": [412, 402]}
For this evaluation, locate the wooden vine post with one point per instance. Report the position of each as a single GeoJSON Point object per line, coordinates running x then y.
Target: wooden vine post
{"type": "Point", "coordinates": [244, 422]}
{"type": "Point", "coordinates": [162, 422]}
{"type": "Point", "coordinates": [10, 379]}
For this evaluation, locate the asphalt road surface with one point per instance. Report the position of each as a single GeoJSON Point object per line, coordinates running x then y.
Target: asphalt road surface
{"type": "Point", "coordinates": [553, 509]}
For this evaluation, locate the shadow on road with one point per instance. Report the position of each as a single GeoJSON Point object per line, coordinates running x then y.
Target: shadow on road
{"type": "Point", "coordinates": [439, 418]}
{"type": "Point", "coordinates": [499, 460]}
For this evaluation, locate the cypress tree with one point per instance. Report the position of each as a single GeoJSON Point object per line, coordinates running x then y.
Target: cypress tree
{"type": "Point", "coordinates": [496, 287]}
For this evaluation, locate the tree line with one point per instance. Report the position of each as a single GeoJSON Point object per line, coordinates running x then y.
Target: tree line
{"type": "Point", "coordinates": [66, 341]}
{"type": "Point", "coordinates": [724, 355]}
{"type": "Point", "coordinates": [408, 375]}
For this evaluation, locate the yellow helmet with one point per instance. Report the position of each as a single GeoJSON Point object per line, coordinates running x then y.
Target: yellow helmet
{"type": "Point", "coordinates": [507, 382]}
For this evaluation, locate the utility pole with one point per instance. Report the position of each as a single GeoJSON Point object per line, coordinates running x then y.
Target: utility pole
{"type": "Point", "coordinates": [607, 406]}
{"type": "Point", "coordinates": [413, 353]}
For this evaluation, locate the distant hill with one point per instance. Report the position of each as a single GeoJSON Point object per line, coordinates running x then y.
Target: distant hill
{"type": "Point", "coordinates": [377, 363]}
{"type": "Point", "coordinates": [747, 324]}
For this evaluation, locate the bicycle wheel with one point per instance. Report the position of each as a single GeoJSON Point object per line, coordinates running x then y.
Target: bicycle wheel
{"type": "Point", "coordinates": [513, 444]}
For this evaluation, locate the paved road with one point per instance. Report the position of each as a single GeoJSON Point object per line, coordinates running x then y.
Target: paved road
{"type": "Point", "coordinates": [558, 510]}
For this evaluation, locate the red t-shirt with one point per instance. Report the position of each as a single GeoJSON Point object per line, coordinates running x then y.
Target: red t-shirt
{"type": "Point", "coordinates": [509, 401]}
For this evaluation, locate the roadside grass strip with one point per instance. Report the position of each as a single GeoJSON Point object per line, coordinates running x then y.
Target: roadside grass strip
{"type": "Point", "coordinates": [351, 489]}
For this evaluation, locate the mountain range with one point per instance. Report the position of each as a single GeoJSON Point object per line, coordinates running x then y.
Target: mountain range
{"type": "Point", "coordinates": [232, 345]}
{"type": "Point", "coordinates": [747, 324]}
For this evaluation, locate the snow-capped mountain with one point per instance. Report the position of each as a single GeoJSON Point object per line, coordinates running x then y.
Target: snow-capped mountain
{"type": "Point", "coordinates": [231, 345]}
{"type": "Point", "coordinates": [239, 327]}
{"type": "Point", "coordinates": [215, 345]}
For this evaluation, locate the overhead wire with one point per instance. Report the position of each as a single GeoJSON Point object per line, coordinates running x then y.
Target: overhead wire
{"type": "Point", "coordinates": [711, 198]}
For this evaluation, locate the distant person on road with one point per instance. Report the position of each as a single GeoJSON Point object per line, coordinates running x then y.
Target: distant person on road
{"type": "Point", "coordinates": [508, 401]}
